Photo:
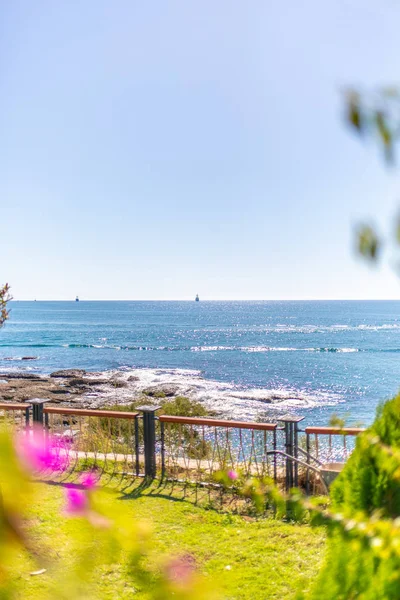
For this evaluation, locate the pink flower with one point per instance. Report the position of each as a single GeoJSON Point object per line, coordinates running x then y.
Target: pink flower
{"type": "Point", "coordinates": [77, 501]}
{"type": "Point", "coordinates": [232, 475]}
{"type": "Point", "coordinates": [89, 480]}
{"type": "Point", "coordinates": [78, 504]}
{"type": "Point", "coordinates": [40, 452]}
{"type": "Point", "coordinates": [181, 570]}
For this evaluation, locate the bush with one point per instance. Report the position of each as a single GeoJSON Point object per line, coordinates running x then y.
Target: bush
{"type": "Point", "coordinates": [370, 480]}
{"type": "Point", "coordinates": [184, 407]}
{"type": "Point", "coordinates": [121, 431]}
{"type": "Point", "coordinates": [363, 555]}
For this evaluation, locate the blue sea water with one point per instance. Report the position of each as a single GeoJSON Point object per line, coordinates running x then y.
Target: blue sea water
{"type": "Point", "coordinates": [312, 358]}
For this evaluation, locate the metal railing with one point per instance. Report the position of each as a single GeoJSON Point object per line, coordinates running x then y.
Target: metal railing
{"type": "Point", "coordinates": [15, 414]}
{"type": "Point", "coordinates": [336, 446]}
{"type": "Point", "coordinates": [104, 440]}
{"type": "Point", "coordinates": [196, 449]}
{"type": "Point", "coordinates": [184, 448]}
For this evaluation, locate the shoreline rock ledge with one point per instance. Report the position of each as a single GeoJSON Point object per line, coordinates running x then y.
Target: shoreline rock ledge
{"type": "Point", "coordinates": [67, 373]}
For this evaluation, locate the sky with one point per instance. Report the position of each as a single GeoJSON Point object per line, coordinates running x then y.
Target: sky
{"type": "Point", "coordinates": [156, 150]}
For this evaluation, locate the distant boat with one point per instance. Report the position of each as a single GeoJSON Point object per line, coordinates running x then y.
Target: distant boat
{"type": "Point", "coordinates": [197, 298]}
{"type": "Point", "coordinates": [77, 299]}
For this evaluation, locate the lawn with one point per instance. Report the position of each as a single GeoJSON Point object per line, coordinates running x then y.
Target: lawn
{"type": "Point", "coordinates": [247, 558]}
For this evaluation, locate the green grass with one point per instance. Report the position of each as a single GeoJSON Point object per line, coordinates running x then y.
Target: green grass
{"type": "Point", "coordinates": [248, 558]}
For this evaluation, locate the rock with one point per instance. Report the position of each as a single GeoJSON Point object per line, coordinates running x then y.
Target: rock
{"type": "Point", "coordinates": [76, 381]}
{"type": "Point", "coordinates": [86, 381]}
{"type": "Point", "coordinates": [60, 391]}
{"type": "Point", "coordinates": [17, 375]}
{"type": "Point", "coordinates": [133, 378]}
{"type": "Point", "coordinates": [158, 391]}
{"type": "Point", "coordinates": [68, 373]}
{"type": "Point", "coordinates": [117, 383]}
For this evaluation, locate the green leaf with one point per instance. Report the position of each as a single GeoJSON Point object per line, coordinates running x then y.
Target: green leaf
{"type": "Point", "coordinates": [368, 244]}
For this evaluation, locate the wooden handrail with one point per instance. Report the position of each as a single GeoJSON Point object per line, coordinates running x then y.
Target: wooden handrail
{"type": "Point", "coordinates": [217, 423]}
{"type": "Point", "coordinates": [334, 430]}
{"type": "Point", "coordinates": [83, 412]}
{"type": "Point", "coordinates": [13, 406]}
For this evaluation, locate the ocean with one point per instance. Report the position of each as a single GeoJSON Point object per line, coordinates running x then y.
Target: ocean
{"type": "Point", "coordinates": [249, 360]}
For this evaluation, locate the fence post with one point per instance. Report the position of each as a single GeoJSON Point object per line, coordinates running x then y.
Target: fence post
{"type": "Point", "coordinates": [37, 410]}
{"type": "Point", "coordinates": [308, 449]}
{"type": "Point", "coordinates": [162, 449]}
{"type": "Point", "coordinates": [137, 462]}
{"type": "Point", "coordinates": [27, 417]}
{"type": "Point", "coordinates": [291, 429]}
{"type": "Point", "coordinates": [149, 438]}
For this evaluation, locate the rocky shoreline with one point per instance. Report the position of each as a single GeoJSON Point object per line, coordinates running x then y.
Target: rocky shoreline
{"type": "Point", "coordinates": [85, 389]}
{"type": "Point", "coordinates": [81, 389]}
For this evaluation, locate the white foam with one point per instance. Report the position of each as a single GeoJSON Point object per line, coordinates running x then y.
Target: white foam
{"type": "Point", "coordinates": [211, 348]}
{"type": "Point", "coordinates": [347, 349]}
{"type": "Point", "coordinates": [227, 399]}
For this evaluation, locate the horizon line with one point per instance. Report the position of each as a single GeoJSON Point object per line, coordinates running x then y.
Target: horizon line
{"type": "Point", "coordinates": [211, 300]}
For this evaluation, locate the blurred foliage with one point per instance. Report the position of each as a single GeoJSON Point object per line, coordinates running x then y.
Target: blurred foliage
{"type": "Point", "coordinates": [100, 540]}
{"type": "Point", "coordinates": [368, 243]}
{"type": "Point", "coordinates": [375, 115]}
{"type": "Point", "coordinates": [343, 421]}
{"type": "Point", "coordinates": [336, 421]}
{"type": "Point", "coordinates": [4, 299]}
{"type": "Point", "coordinates": [371, 478]}
{"type": "Point", "coordinates": [363, 558]}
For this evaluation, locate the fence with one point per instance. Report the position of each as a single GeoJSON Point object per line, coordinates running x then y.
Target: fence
{"type": "Point", "coordinates": [105, 440]}
{"type": "Point", "coordinates": [196, 449]}
{"type": "Point", "coordinates": [141, 444]}
{"type": "Point", "coordinates": [332, 452]}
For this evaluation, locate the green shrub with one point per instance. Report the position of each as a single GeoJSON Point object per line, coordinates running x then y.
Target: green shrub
{"type": "Point", "coordinates": [370, 480]}
{"type": "Point", "coordinates": [181, 406]}
{"type": "Point", "coordinates": [121, 431]}
{"type": "Point", "coordinates": [184, 407]}
{"type": "Point", "coordinates": [363, 555]}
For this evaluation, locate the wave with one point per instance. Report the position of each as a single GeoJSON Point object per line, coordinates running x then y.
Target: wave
{"type": "Point", "coordinates": [246, 349]}
{"type": "Point", "coordinates": [18, 358]}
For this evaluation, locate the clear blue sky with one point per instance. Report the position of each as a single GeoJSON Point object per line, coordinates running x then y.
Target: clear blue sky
{"type": "Point", "coordinates": [153, 150]}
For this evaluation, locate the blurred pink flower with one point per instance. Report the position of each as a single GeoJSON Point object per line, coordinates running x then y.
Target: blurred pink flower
{"type": "Point", "coordinates": [39, 452]}
{"type": "Point", "coordinates": [78, 504]}
{"type": "Point", "coordinates": [77, 501]}
{"type": "Point", "coordinates": [89, 480]}
{"type": "Point", "coordinates": [180, 570]}
{"type": "Point", "coordinates": [232, 475]}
